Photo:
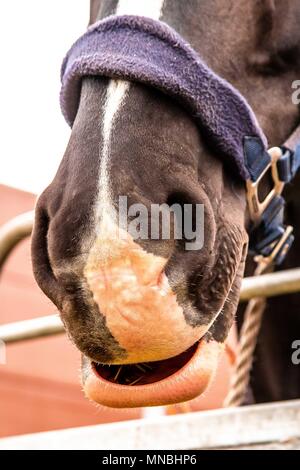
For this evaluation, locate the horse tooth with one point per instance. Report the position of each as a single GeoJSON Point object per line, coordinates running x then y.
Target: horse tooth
{"type": "Point", "coordinates": [136, 380]}
{"type": "Point", "coordinates": [117, 374]}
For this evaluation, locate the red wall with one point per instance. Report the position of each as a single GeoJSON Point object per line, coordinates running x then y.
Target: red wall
{"type": "Point", "coordinates": [40, 384]}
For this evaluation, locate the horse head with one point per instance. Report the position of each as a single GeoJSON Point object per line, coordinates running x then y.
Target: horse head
{"type": "Point", "coordinates": [151, 314]}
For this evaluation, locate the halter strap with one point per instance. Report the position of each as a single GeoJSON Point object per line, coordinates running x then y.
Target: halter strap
{"type": "Point", "coordinates": [148, 51]}
{"type": "Point", "coordinates": [270, 239]}
{"type": "Point", "coordinates": [293, 140]}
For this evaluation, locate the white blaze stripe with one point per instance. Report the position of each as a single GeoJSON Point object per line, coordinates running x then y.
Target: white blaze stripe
{"type": "Point", "coordinates": [116, 92]}
{"type": "Point", "coordinates": [150, 8]}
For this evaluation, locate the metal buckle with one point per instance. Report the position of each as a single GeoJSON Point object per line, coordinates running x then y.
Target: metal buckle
{"type": "Point", "coordinates": [257, 207]}
{"type": "Point", "coordinates": [279, 246]}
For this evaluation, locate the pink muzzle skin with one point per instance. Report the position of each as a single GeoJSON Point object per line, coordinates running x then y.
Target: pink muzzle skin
{"type": "Point", "coordinates": [141, 311]}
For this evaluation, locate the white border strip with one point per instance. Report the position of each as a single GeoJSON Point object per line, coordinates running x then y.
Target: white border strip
{"type": "Point", "coordinates": [202, 430]}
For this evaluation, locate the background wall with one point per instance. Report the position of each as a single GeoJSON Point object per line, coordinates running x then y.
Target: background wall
{"type": "Point", "coordinates": [34, 37]}
{"type": "Point", "coordinates": [40, 384]}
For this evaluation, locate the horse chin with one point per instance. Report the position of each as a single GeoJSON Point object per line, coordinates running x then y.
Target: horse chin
{"type": "Point", "coordinates": [178, 379]}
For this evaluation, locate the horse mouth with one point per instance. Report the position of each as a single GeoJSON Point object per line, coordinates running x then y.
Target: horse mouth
{"type": "Point", "coordinates": [146, 372]}
{"type": "Point", "coordinates": [180, 378]}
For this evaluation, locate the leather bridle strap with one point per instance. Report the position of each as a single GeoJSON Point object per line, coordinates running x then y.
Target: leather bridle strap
{"type": "Point", "coordinates": [294, 140]}
{"type": "Point", "coordinates": [270, 239]}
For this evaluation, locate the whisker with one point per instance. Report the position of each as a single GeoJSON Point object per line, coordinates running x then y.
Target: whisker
{"type": "Point", "coordinates": [118, 372]}
{"type": "Point", "coordinates": [147, 366]}
{"type": "Point", "coordinates": [136, 380]}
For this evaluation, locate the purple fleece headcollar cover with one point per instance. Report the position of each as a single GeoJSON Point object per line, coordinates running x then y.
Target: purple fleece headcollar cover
{"type": "Point", "coordinates": [144, 50]}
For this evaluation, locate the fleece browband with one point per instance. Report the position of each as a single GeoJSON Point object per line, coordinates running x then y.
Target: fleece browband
{"type": "Point", "coordinates": [144, 50]}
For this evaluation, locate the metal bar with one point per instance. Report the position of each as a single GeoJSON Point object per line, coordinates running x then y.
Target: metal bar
{"type": "Point", "coordinates": [12, 232]}
{"type": "Point", "coordinates": [221, 428]}
{"type": "Point", "coordinates": [30, 329]}
{"type": "Point", "coordinates": [267, 285]}
{"type": "Point", "coordinates": [271, 285]}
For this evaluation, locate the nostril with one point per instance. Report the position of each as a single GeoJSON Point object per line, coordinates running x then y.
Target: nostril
{"type": "Point", "coordinates": [184, 202]}
{"type": "Point", "coordinates": [186, 212]}
{"type": "Point", "coordinates": [179, 197]}
{"type": "Point", "coordinates": [42, 268]}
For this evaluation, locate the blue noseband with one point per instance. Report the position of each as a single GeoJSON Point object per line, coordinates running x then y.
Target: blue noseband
{"type": "Point", "coordinates": [150, 52]}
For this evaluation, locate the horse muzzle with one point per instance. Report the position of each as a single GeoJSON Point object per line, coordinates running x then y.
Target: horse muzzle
{"type": "Point", "coordinates": [167, 360]}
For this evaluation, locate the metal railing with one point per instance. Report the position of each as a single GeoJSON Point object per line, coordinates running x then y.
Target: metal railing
{"type": "Point", "coordinates": [266, 426]}
{"type": "Point", "coordinates": [34, 328]}
{"type": "Point", "coordinates": [11, 233]}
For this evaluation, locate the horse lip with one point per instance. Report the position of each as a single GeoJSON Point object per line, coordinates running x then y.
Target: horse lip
{"type": "Point", "coordinates": [185, 384]}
